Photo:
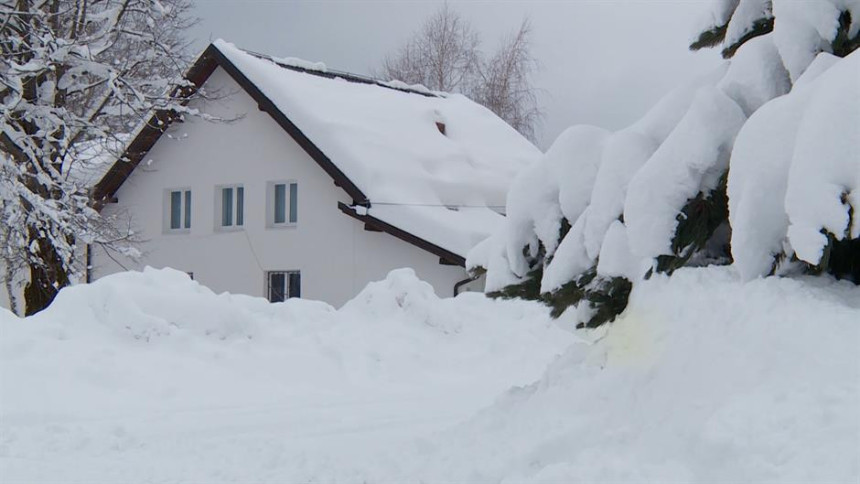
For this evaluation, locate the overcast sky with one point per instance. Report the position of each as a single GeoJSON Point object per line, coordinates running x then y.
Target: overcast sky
{"type": "Point", "coordinates": [603, 62]}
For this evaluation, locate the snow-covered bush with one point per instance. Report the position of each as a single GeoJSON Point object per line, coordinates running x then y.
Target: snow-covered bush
{"type": "Point", "coordinates": [603, 210]}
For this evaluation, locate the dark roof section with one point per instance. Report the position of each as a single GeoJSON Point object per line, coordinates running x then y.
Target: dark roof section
{"type": "Point", "coordinates": [445, 255]}
{"type": "Point", "coordinates": [334, 74]}
{"type": "Point", "coordinates": [205, 65]}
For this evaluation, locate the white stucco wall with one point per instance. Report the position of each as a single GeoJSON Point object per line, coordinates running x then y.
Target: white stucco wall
{"type": "Point", "coordinates": [334, 253]}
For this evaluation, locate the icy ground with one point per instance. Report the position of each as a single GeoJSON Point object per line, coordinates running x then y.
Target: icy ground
{"type": "Point", "coordinates": [149, 377]}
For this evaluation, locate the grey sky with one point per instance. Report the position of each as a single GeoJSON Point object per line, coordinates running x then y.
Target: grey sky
{"type": "Point", "coordinates": [604, 62]}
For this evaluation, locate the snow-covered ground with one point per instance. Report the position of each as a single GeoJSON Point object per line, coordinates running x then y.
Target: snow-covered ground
{"type": "Point", "coordinates": [149, 377]}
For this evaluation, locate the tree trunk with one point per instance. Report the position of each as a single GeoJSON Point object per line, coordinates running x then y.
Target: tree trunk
{"type": "Point", "coordinates": [46, 278]}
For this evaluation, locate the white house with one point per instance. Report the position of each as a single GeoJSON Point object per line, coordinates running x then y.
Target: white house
{"type": "Point", "coordinates": [319, 183]}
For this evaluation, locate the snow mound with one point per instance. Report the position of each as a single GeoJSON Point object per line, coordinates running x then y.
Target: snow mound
{"type": "Point", "coordinates": [402, 386]}
{"type": "Point", "coordinates": [703, 379]}
{"type": "Point", "coordinates": [150, 377]}
{"type": "Point", "coordinates": [162, 303]}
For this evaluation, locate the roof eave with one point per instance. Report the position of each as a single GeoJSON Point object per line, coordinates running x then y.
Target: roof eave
{"type": "Point", "coordinates": [445, 255]}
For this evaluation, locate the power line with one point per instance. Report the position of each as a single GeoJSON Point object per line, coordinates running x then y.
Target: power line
{"type": "Point", "coordinates": [398, 204]}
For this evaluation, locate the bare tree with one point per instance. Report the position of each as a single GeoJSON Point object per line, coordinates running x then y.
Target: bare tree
{"type": "Point", "coordinates": [504, 85]}
{"type": "Point", "coordinates": [74, 74]}
{"type": "Point", "coordinates": [442, 55]}
{"type": "Point", "coordinates": [445, 55]}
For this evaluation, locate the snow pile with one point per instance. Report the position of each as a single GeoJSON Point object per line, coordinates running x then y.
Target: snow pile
{"type": "Point", "coordinates": [402, 148]}
{"type": "Point", "coordinates": [795, 172]}
{"type": "Point", "coordinates": [150, 377]}
{"type": "Point", "coordinates": [703, 379]}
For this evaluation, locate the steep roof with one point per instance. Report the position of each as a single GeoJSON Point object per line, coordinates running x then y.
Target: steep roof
{"type": "Point", "coordinates": [426, 163]}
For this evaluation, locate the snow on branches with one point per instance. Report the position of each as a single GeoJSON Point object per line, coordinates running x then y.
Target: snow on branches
{"type": "Point", "coordinates": [73, 77]}
{"type": "Point", "coordinates": [727, 168]}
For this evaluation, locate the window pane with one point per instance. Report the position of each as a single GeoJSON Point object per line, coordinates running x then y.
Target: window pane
{"type": "Point", "coordinates": [226, 207]}
{"type": "Point", "coordinates": [175, 209]}
{"type": "Point", "coordinates": [280, 203]}
{"type": "Point", "coordinates": [187, 209]}
{"type": "Point", "coordinates": [240, 205]}
{"type": "Point", "coordinates": [295, 284]}
{"type": "Point", "coordinates": [277, 286]}
{"type": "Point", "coordinates": [294, 202]}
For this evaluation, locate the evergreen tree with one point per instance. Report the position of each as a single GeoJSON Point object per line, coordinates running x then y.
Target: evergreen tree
{"type": "Point", "coordinates": [702, 232]}
{"type": "Point", "coordinates": [735, 23]}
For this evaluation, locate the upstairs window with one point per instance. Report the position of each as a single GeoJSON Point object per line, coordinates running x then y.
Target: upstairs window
{"type": "Point", "coordinates": [178, 210]}
{"type": "Point", "coordinates": [230, 201]}
{"type": "Point", "coordinates": [283, 203]}
{"type": "Point", "coordinates": [283, 285]}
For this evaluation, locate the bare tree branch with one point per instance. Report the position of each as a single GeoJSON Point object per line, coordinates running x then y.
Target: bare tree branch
{"type": "Point", "coordinates": [444, 55]}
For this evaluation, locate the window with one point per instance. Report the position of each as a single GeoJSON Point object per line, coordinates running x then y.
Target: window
{"type": "Point", "coordinates": [230, 204]}
{"type": "Point", "coordinates": [283, 203]}
{"type": "Point", "coordinates": [282, 285]}
{"type": "Point", "coordinates": [178, 210]}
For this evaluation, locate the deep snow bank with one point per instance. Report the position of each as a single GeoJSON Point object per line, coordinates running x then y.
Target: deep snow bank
{"type": "Point", "coordinates": [703, 379]}
{"type": "Point", "coordinates": [150, 377]}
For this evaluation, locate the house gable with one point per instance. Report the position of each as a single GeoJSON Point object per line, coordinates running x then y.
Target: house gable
{"type": "Point", "coordinates": [161, 120]}
{"type": "Point", "coordinates": [212, 58]}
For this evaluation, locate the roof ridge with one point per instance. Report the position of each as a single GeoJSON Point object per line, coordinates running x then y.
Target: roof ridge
{"type": "Point", "coordinates": [347, 76]}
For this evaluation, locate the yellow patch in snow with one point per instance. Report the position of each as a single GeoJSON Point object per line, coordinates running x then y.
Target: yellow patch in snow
{"type": "Point", "coordinates": [630, 342]}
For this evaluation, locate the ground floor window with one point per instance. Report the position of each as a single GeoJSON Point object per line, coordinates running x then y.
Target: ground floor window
{"type": "Point", "coordinates": [282, 285]}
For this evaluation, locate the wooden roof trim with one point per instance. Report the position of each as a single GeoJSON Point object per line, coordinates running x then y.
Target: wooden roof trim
{"type": "Point", "coordinates": [444, 254]}
{"type": "Point", "coordinates": [106, 188]}
{"type": "Point", "coordinates": [266, 105]}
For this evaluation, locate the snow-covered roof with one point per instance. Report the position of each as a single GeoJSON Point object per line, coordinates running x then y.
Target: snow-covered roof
{"type": "Point", "coordinates": [433, 167]}
{"type": "Point", "coordinates": [385, 139]}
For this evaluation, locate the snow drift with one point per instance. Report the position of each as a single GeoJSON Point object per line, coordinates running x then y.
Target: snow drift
{"type": "Point", "coordinates": [151, 377]}
{"type": "Point", "coordinates": [703, 379]}
{"type": "Point", "coordinates": [144, 377]}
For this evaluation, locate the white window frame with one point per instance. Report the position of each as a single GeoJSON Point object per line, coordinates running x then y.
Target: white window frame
{"type": "Point", "coordinates": [270, 204]}
{"type": "Point", "coordinates": [185, 210]}
{"type": "Point", "coordinates": [219, 207]}
{"type": "Point", "coordinates": [287, 273]}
